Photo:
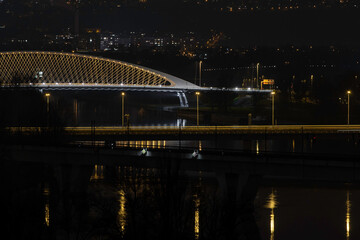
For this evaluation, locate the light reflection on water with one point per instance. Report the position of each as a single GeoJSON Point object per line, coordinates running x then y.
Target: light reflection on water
{"type": "Point", "coordinates": [46, 193]}
{"type": "Point", "coordinates": [142, 144]}
{"type": "Point", "coordinates": [197, 216]}
{"type": "Point", "coordinates": [98, 172]}
{"type": "Point", "coordinates": [293, 145]}
{"type": "Point", "coordinates": [272, 204]}
{"type": "Point", "coordinates": [302, 199]}
{"type": "Point", "coordinates": [348, 208]}
{"type": "Point", "coordinates": [122, 212]}
{"type": "Point", "coordinates": [327, 212]}
{"type": "Point", "coordinates": [290, 144]}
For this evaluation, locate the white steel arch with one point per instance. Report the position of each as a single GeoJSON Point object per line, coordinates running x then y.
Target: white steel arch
{"type": "Point", "coordinates": [68, 69]}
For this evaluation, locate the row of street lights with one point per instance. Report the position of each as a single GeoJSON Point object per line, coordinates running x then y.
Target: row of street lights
{"type": "Point", "coordinates": [273, 107]}
{"type": "Point", "coordinates": [47, 95]}
{"type": "Point", "coordinates": [123, 102]}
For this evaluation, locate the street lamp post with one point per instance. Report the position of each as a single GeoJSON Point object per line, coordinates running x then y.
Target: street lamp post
{"type": "Point", "coordinates": [197, 107]}
{"type": "Point", "coordinates": [273, 108]}
{"type": "Point", "coordinates": [348, 103]}
{"type": "Point", "coordinates": [257, 75]}
{"type": "Point", "coordinates": [47, 95]}
{"type": "Point", "coordinates": [122, 108]}
{"type": "Point", "coordinates": [200, 73]}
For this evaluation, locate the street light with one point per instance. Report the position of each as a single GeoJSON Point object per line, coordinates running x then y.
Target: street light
{"type": "Point", "coordinates": [273, 108]}
{"type": "Point", "coordinates": [200, 73]}
{"type": "Point", "coordinates": [47, 95]}
{"type": "Point", "coordinates": [197, 107]}
{"type": "Point", "coordinates": [257, 75]}
{"type": "Point", "coordinates": [348, 103]}
{"type": "Point", "coordinates": [122, 108]}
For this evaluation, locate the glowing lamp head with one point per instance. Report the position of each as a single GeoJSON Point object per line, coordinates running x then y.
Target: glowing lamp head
{"type": "Point", "coordinates": [47, 94]}
{"type": "Point", "coordinates": [348, 92]}
{"type": "Point", "coordinates": [273, 93]}
{"type": "Point", "coordinates": [197, 93]}
{"type": "Point", "coordinates": [122, 94]}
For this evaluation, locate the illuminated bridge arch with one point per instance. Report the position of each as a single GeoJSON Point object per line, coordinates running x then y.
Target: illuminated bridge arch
{"type": "Point", "coordinates": [67, 69]}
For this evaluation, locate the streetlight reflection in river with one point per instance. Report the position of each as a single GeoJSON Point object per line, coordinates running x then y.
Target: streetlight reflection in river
{"type": "Point", "coordinates": [272, 204]}
{"type": "Point", "coordinates": [348, 208]}
{"type": "Point", "coordinates": [46, 194]}
{"type": "Point", "coordinates": [122, 212]}
{"type": "Point", "coordinates": [197, 217]}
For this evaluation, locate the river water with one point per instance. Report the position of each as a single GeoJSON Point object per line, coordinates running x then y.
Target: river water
{"type": "Point", "coordinates": [71, 201]}
{"type": "Point", "coordinates": [142, 204]}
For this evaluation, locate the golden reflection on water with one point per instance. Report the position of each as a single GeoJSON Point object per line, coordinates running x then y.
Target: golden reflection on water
{"type": "Point", "coordinates": [122, 212]}
{"type": "Point", "coordinates": [98, 172]}
{"type": "Point", "coordinates": [142, 143]}
{"type": "Point", "coordinates": [257, 147]}
{"type": "Point", "coordinates": [272, 224]}
{"type": "Point", "coordinates": [293, 145]}
{"type": "Point", "coordinates": [348, 208]}
{"type": "Point", "coordinates": [46, 193]}
{"type": "Point", "coordinates": [272, 204]}
{"type": "Point", "coordinates": [197, 217]}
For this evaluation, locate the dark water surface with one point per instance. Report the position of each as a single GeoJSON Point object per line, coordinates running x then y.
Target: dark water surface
{"type": "Point", "coordinates": [308, 213]}
{"type": "Point", "coordinates": [66, 200]}
{"type": "Point", "coordinates": [130, 203]}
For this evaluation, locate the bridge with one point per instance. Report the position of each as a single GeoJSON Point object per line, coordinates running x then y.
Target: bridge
{"type": "Point", "coordinates": [185, 132]}
{"type": "Point", "coordinates": [57, 69]}
{"type": "Point", "coordinates": [72, 71]}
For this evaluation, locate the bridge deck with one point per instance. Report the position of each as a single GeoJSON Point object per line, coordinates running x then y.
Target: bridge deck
{"type": "Point", "coordinates": [199, 130]}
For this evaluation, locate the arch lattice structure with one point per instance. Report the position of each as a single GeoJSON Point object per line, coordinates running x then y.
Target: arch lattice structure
{"type": "Point", "coordinates": [53, 68]}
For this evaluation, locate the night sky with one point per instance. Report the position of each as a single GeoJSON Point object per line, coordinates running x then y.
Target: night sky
{"type": "Point", "coordinates": [324, 26]}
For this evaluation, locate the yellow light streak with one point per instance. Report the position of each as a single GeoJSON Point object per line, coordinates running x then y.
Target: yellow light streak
{"type": "Point", "coordinates": [98, 172]}
{"type": "Point", "coordinates": [348, 208]}
{"type": "Point", "coordinates": [197, 217]}
{"type": "Point", "coordinates": [272, 204]}
{"type": "Point", "coordinates": [122, 212]}
{"type": "Point", "coordinates": [293, 145]}
{"type": "Point", "coordinates": [272, 224]}
{"type": "Point", "coordinates": [46, 194]}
